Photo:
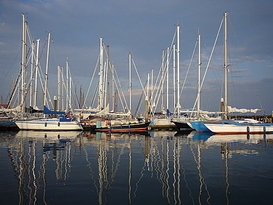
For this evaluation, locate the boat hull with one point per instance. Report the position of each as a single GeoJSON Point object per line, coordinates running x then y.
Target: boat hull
{"type": "Point", "coordinates": [48, 124]}
{"type": "Point", "coordinates": [162, 124]}
{"type": "Point", "coordinates": [240, 128]}
{"type": "Point", "coordinates": [125, 128]}
{"type": "Point", "coordinates": [200, 126]}
{"type": "Point", "coordinates": [182, 126]}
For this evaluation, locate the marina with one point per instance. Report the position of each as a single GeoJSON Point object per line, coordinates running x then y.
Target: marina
{"type": "Point", "coordinates": [68, 113]}
{"type": "Point", "coordinates": [163, 167]}
{"type": "Point", "coordinates": [119, 129]}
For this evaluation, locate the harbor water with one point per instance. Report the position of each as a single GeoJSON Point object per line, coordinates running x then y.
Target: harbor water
{"type": "Point", "coordinates": [135, 168]}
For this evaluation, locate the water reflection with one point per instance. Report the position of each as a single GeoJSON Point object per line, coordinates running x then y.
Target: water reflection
{"type": "Point", "coordinates": [29, 152]}
{"type": "Point", "coordinates": [151, 167]}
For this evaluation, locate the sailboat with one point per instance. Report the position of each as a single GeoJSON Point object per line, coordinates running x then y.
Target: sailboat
{"type": "Point", "coordinates": [165, 118]}
{"type": "Point", "coordinates": [45, 122]}
{"type": "Point", "coordinates": [103, 119]}
{"type": "Point", "coordinates": [122, 127]}
{"type": "Point", "coordinates": [230, 126]}
{"type": "Point", "coordinates": [52, 124]}
{"type": "Point", "coordinates": [182, 124]}
{"type": "Point", "coordinates": [240, 128]}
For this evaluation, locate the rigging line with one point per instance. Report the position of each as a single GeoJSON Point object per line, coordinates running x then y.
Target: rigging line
{"type": "Point", "coordinates": [115, 168]}
{"type": "Point", "coordinates": [174, 37]}
{"type": "Point", "coordinates": [236, 77]}
{"type": "Point", "coordinates": [187, 184]}
{"type": "Point", "coordinates": [42, 51]}
{"type": "Point", "coordinates": [208, 64]}
{"type": "Point", "coordinates": [160, 88]}
{"type": "Point", "coordinates": [146, 94]}
{"type": "Point", "coordinates": [140, 101]}
{"type": "Point", "coordinates": [28, 87]}
{"type": "Point", "coordinates": [91, 81]}
{"type": "Point", "coordinates": [193, 108]}
{"type": "Point", "coordinates": [263, 110]}
{"type": "Point", "coordinates": [120, 93]}
{"type": "Point", "coordinates": [214, 45]}
{"type": "Point", "coordinates": [72, 95]}
{"type": "Point", "coordinates": [242, 86]}
{"type": "Point", "coordinates": [187, 73]}
{"type": "Point", "coordinates": [89, 165]}
{"type": "Point", "coordinates": [159, 76]}
{"type": "Point", "coordinates": [161, 67]}
{"type": "Point", "coordinates": [14, 88]}
{"type": "Point", "coordinates": [197, 160]}
{"type": "Point", "coordinates": [119, 86]}
{"type": "Point", "coordinates": [162, 73]}
{"type": "Point", "coordinates": [7, 71]}
{"type": "Point", "coordinates": [156, 98]}
{"type": "Point", "coordinates": [95, 94]}
{"type": "Point", "coordinates": [141, 176]}
{"type": "Point", "coordinates": [76, 98]}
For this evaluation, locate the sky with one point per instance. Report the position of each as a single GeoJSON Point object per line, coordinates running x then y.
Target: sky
{"type": "Point", "coordinates": [145, 28]}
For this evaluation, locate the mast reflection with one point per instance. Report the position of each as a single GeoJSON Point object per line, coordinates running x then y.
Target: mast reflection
{"type": "Point", "coordinates": [175, 168]}
{"type": "Point", "coordinates": [29, 164]}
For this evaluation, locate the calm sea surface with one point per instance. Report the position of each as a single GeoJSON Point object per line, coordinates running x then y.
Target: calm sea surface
{"type": "Point", "coordinates": [149, 168]}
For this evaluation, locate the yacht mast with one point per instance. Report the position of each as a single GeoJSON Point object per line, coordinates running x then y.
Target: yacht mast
{"type": "Point", "coordinates": [167, 82]}
{"type": "Point", "coordinates": [225, 66]}
{"type": "Point", "coordinates": [31, 75]}
{"type": "Point", "coordinates": [162, 73]}
{"type": "Point", "coordinates": [178, 106]}
{"type": "Point", "coordinates": [130, 82]}
{"type": "Point", "coordinates": [67, 90]}
{"type": "Point", "coordinates": [46, 73]}
{"type": "Point", "coordinates": [23, 63]}
{"type": "Point", "coordinates": [101, 77]}
{"type": "Point", "coordinates": [174, 87]}
{"type": "Point", "coordinates": [59, 88]}
{"type": "Point", "coordinates": [36, 74]}
{"type": "Point", "coordinates": [199, 76]}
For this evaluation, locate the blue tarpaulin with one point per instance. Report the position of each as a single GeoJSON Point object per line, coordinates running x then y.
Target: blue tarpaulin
{"type": "Point", "coordinates": [47, 111]}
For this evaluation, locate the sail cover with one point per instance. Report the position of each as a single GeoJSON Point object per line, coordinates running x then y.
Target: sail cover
{"type": "Point", "coordinates": [47, 111]}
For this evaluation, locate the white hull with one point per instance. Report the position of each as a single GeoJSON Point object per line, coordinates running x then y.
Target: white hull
{"type": "Point", "coordinates": [48, 124]}
{"type": "Point", "coordinates": [240, 128]}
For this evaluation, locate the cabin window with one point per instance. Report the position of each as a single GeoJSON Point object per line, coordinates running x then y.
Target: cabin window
{"type": "Point", "coordinates": [46, 124]}
{"type": "Point", "coordinates": [58, 124]}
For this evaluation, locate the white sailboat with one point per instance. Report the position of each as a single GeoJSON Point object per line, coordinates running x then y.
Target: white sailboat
{"type": "Point", "coordinates": [240, 128]}
{"type": "Point", "coordinates": [233, 126]}
{"type": "Point", "coordinates": [45, 123]}
{"type": "Point", "coordinates": [50, 124]}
